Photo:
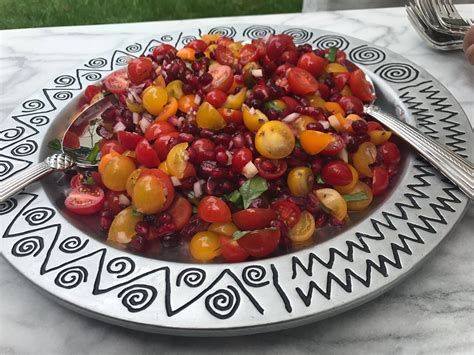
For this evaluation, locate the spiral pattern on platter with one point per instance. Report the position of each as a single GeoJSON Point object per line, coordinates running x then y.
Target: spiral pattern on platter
{"type": "Point", "coordinates": [223, 303]}
{"type": "Point", "coordinates": [39, 120]}
{"type": "Point", "coordinates": [366, 55]}
{"type": "Point", "coordinates": [5, 167]}
{"type": "Point", "coordinates": [223, 30]}
{"type": "Point", "coordinates": [64, 80]}
{"type": "Point", "coordinates": [134, 48]}
{"type": "Point", "coordinates": [33, 105]}
{"type": "Point", "coordinates": [71, 277]}
{"type": "Point", "coordinates": [328, 41]}
{"type": "Point", "coordinates": [96, 63]}
{"type": "Point", "coordinates": [299, 35]}
{"type": "Point", "coordinates": [257, 31]}
{"type": "Point", "coordinates": [122, 60]}
{"type": "Point", "coordinates": [121, 266]}
{"type": "Point", "coordinates": [10, 134]}
{"type": "Point", "coordinates": [166, 38]}
{"type": "Point", "coordinates": [38, 215]}
{"type": "Point", "coordinates": [8, 206]}
{"type": "Point", "coordinates": [72, 244]}
{"type": "Point", "coordinates": [192, 277]}
{"type": "Point", "coordinates": [92, 76]}
{"type": "Point", "coordinates": [28, 246]}
{"type": "Point", "coordinates": [24, 149]}
{"type": "Point", "coordinates": [62, 95]}
{"type": "Point", "coordinates": [253, 275]}
{"type": "Point", "coordinates": [187, 39]}
{"type": "Point", "coordinates": [397, 72]}
{"type": "Point", "coordinates": [138, 297]}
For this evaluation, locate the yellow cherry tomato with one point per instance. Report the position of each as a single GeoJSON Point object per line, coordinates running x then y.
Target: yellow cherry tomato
{"type": "Point", "coordinates": [333, 201]}
{"type": "Point", "coordinates": [274, 140]}
{"type": "Point", "coordinates": [175, 89]}
{"type": "Point", "coordinates": [159, 81]}
{"type": "Point", "coordinates": [336, 68]}
{"type": "Point", "coordinates": [132, 179]}
{"type": "Point", "coordinates": [363, 204]}
{"type": "Point", "coordinates": [235, 48]}
{"type": "Point", "coordinates": [187, 102]}
{"type": "Point", "coordinates": [148, 195]}
{"type": "Point", "coordinates": [116, 172]}
{"type": "Point", "coordinates": [365, 155]}
{"type": "Point", "coordinates": [223, 228]}
{"type": "Point", "coordinates": [169, 110]}
{"type": "Point", "coordinates": [209, 38]}
{"type": "Point", "coordinates": [105, 159]}
{"type": "Point", "coordinates": [314, 142]}
{"type": "Point", "coordinates": [210, 49]}
{"type": "Point", "coordinates": [154, 98]}
{"type": "Point", "coordinates": [187, 54]}
{"type": "Point", "coordinates": [379, 136]}
{"type": "Point", "coordinates": [164, 168]}
{"type": "Point", "coordinates": [316, 101]}
{"type": "Point", "coordinates": [205, 246]}
{"type": "Point", "coordinates": [235, 101]}
{"type": "Point", "coordinates": [176, 160]}
{"type": "Point", "coordinates": [134, 106]}
{"type": "Point", "coordinates": [301, 122]}
{"type": "Point", "coordinates": [122, 229]}
{"type": "Point", "coordinates": [345, 189]}
{"type": "Point", "coordinates": [334, 108]}
{"type": "Point", "coordinates": [253, 119]}
{"type": "Point", "coordinates": [208, 117]}
{"type": "Point", "coordinates": [304, 229]}
{"type": "Point", "coordinates": [300, 181]}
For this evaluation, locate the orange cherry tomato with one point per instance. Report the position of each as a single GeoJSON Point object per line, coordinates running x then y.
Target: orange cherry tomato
{"type": "Point", "coordinates": [365, 155]}
{"type": "Point", "coordinates": [379, 136]}
{"type": "Point", "coordinates": [187, 54]}
{"type": "Point", "coordinates": [187, 102]}
{"type": "Point", "coordinates": [314, 142]}
{"type": "Point", "coordinates": [169, 110]}
{"type": "Point", "coordinates": [105, 159]}
{"type": "Point", "coordinates": [334, 108]}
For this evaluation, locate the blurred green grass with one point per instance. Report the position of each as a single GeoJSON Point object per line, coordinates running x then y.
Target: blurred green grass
{"type": "Point", "coordinates": [46, 13]}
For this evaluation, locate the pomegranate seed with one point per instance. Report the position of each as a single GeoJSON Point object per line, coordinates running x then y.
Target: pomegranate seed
{"type": "Point", "coordinates": [207, 167]}
{"type": "Point", "coordinates": [105, 223]}
{"type": "Point", "coordinates": [321, 220]}
{"type": "Point", "coordinates": [170, 241]}
{"type": "Point", "coordinates": [336, 222]}
{"type": "Point", "coordinates": [222, 158]}
{"type": "Point", "coordinates": [194, 226]}
{"type": "Point", "coordinates": [188, 183]}
{"type": "Point", "coordinates": [185, 137]}
{"type": "Point", "coordinates": [316, 165]}
{"type": "Point", "coordinates": [222, 139]}
{"type": "Point", "coordinates": [187, 89]}
{"type": "Point", "coordinates": [163, 218]}
{"type": "Point", "coordinates": [312, 203]}
{"type": "Point", "coordinates": [142, 228]}
{"type": "Point", "coordinates": [210, 187]}
{"type": "Point", "coordinates": [227, 187]}
{"type": "Point", "coordinates": [315, 126]}
{"type": "Point", "coordinates": [218, 173]}
{"type": "Point", "coordinates": [138, 244]}
{"type": "Point", "coordinates": [359, 126]}
{"type": "Point", "coordinates": [205, 79]}
{"type": "Point", "coordinates": [206, 133]}
{"type": "Point", "coordinates": [238, 141]}
{"type": "Point", "coordinates": [109, 114]}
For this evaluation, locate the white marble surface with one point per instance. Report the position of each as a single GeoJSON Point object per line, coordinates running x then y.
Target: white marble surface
{"type": "Point", "coordinates": [431, 312]}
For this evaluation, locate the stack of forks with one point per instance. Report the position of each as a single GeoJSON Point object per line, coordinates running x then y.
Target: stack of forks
{"type": "Point", "coordinates": [438, 23]}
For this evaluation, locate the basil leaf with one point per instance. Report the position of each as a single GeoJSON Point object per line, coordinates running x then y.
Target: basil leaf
{"type": "Point", "coordinates": [332, 54]}
{"type": "Point", "coordinates": [253, 189]}
{"type": "Point", "coordinates": [89, 180]}
{"type": "Point", "coordinates": [234, 197]}
{"type": "Point", "coordinates": [274, 105]}
{"type": "Point", "coordinates": [135, 213]}
{"type": "Point", "coordinates": [92, 156]}
{"type": "Point", "coordinates": [239, 234]}
{"type": "Point", "coordinates": [195, 209]}
{"type": "Point", "coordinates": [54, 144]}
{"type": "Point", "coordinates": [358, 196]}
{"type": "Point", "coordinates": [325, 209]}
{"type": "Point", "coordinates": [319, 180]}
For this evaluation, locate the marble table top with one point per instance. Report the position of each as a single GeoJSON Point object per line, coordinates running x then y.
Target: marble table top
{"type": "Point", "coordinates": [431, 312]}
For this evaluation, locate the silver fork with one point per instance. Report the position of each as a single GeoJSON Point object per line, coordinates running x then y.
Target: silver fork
{"type": "Point", "coordinates": [449, 17]}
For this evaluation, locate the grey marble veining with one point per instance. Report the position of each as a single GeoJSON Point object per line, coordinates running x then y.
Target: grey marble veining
{"type": "Point", "coordinates": [431, 312]}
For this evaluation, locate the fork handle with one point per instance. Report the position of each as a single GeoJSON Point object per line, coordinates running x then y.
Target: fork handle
{"type": "Point", "coordinates": [457, 169]}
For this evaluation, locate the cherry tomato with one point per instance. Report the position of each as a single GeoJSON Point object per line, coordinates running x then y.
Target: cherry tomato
{"type": "Point", "coordinates": [76, 181]}
{"type": "Point", "coordinates": [314, 142]}
{"type": "Point", "coordinates": [139, 69]}
{"type": "Point", "coordinates": [290, 102]}
{"type": "Point", "coordinates": [122, 229]}
{"type": "Point", "coordinates": [203, 149]}
{"type": "Point", "coordinates": [129, 140]}
{"type": "Point", "coordinates": [248, 53]}
{"type": "Point", "coordinates": [304, 229]}
{"type": "Point", "coordinates": [270, 169]}
{"type": "Point", "coordinates": [364, 157]}
{"type": "Point", "coordinates": [254, 218]}
{"type": "Point", "coordinates": [116, 171]}
{"type": "Point", "coordinates": [340, 80]}
{"type": "Point", "coordinates": [180, 211]}
{"type": "Point", "coordinates": [213, 209]}
{"type": "Point", "coordinates": [288, 212]}
{"type": "Point", "coordinates": [380, 180]}
{"type": "Point", "coordinates": [389, 153]}
{"type": "Point", "coordinates": [208, 117]}
{"type": "Point", "coordinates": [346, 189]}
{"type": "Point", "coordinates": [351, 104]}
{"type": "Point", "coordinates": [301, 82]}
{"type": "Point", "coordinates": [85, 200]}
{"type": "Point", "coordinates": [162, 49]}
{"type": "Point", "coordinates": [324, 91]}
{"type": "Point", "coordinates": [374, 126]}
{"type": "Point", "coordinates": [223, 228]}
{"type": "Point", "coordinates": [300, 181]}
{"type": "Point", "coordinates": [146, 155]}
{"type": "Point", "coordinates": [278, 44]}
{"type": "Point", "coordinates": [158, 128]}
{"type": "Point", "coordinates": [274, 140]}
{"type": "Point", "coordinates": [225, 56]}
{"type": "Point", "coordinates": [154, 99]}
{"type": "Point", "coordinates": [240, 158]}
{"type": "Point", "coordinates": [224, 41]}
{"type": "Point", "coordinates": [260, 243]}
{"type": "Point", "coordinates": [231, 250]}
{"type": "Point", "coordinates": [117, 82]}
{"type": "Point", "coordinates": [312, 63]}
{"type": "Point", "coordinates": [165, 181]}
{"type": "Point", "coordinates": [205, 246]}
{"type": "Point", "coordinates": [198, 45]}
{"type": "Point", "coordinates": [337, 172]}
{"type": "Point", "coordinates": [71, 140]}
{"type": "Point", "coordinates": [112, 201]}
{"type": "Point", "coordinates": [333, 201]}
{"type": "Point", "coordinates": [231, 116]}
{"type": "Point", "coordinates": [162, 146]}
{"type": "Point", "coordinates": [187, 102]}
{"type": "Point", "coordinates": [335, 147]}
{"type": "Point", "coordinates": [216, 97]}
{"type": "Point", "coordinates": [222, 78]}
{"type": "Point", "coordinates": [362, 204]}
{"type": "Point", "coordinates": [360, 87]}
{"type": "Point", "coordinates": [176, 160]}
{"type": "Point", "coordinates": [91, 91]}
{"type": "Point", "coordinates": [106, 145]}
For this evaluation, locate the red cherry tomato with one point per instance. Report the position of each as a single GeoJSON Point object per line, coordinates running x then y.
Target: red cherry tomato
{"type": "Point", "coordinates": [248, 53]}
{"type": "Point", "coordinates": [312, 63]}
{"type": "Point", "coordinates": [75, 181]}
{"type": "Point", "coordinates": [335, 147]}
{"type": "Point", "coordinates": [390, 153]}
{"type": "Point", "coordinates": [290, 57]}
{"type": "Point", "coordinates": [240, 158]}
{"type": "Point", "coordinates": [139, 69]}
{"type": "Point", "coordinates": [231, 250]}
{"type": "Point", "coordinates": [90, 92]}
{"type": "Point", "coordinates": [85, 200]}
{"type": "Point", "coordinates": [224, 41]}
{"type": "Point", "coordinates": [198, 45]}
{"type": "Point", "coordinates": [301, 82]}
{"type": "Point", "coordinates": [112, 202]}
{"type": "Point", "coordinates": [146, 155]}
{"type": "Point", "coordinates": [214, 210]}
{"type": "Point", "coordinates": [270, 169]}
{"type": "Point", "coordinates": [128, 140]}
{"type": "Point", "coordinates": [117, 82]}
{"type": "Point", "coordinates": [163, 49]}
{"type": "Point", "coordinates": [351, 104]}
{"type": "Point", "coordinates": [360, 87]}
{"type": "Point", "coordinates": [107, 145]}
{"type": "Point", "coordinates": [180, 211]}
{"type": "Point", "coordinates": [203, 149]}
{"type": "Point", "coordinates": [162, 146]}
{"type": "Point", "coordinates": [337, 173]}
{"type": "Point", "coordinates": [281, 70]}
{"type": "Point", "coordinates": [288, 212]}
{"type": "Point", "coordinates": [259, 43]}
{"type": "Point", "coordinates": [224, 56]}
{"type": "Point", "coordinates": [158, 128]}
{"type": "Point", "coordinates": [222, 78]}
{"type": "Point", "coordinates": [254, 218]}
{"type": "Point", "coordinates": [379, 180]}
{"type": "Point", "coordinates": [374, 126]}
{"type": "Point", "coordinates": [231, 116]}
{"type": "Point", "coordinates": [71, 140]}
{"type": "Point", "coordinates": [324, 91]}
{"type": "Point", "coordinates": [289, 101]}
{"type": "Point", "coordinates": [216, 97]}
{"type": "Point", "coordinates": [341, 79]}
{"type": "Point", "coordinates": [279, 44]}
{"type": "Point", "coordinates": [165, 182]}
{"type": "Point", "coordinates": [260, 243]}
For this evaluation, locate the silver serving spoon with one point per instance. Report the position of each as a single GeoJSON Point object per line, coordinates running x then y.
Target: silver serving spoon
{"type": "Point", "coordinates": [83, 127]}
{"type": "Point", "coordinates": [458, 170]}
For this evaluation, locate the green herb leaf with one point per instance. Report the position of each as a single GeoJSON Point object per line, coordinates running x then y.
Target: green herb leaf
{"type": "Point", "coordinates": [239, 234]}
{"type": "Point", "coordinates": [358, 196]}
{"type": "Point", "coordinates": [325, 209]}
{"type": "Point", "coordinates": [135, 213]}
{"type": "Point", "coordinates": [253, 189]}
{"type": "Point", "coordinates": [54, 144]}
{"type": "Point", "coordinates": [195, 209]}
{"type": "Point", "coordinates": [275, 105]}
{"type": "Point", "coordinates": [89, 180]}
{"type": "Point", "coordinates": [234, 196]}
{"type": "Point", "coordinates": [332, 54]}
{"type": "Point", "coordinates": [92, 156]}
{"type": "Point", "coordinates": [319, 180]}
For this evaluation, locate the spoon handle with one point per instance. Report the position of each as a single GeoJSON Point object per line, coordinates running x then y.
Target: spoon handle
{"type": "Point", "coordinates": [19, 181]}
{"type": "Point", "coordinates": [458, 170]}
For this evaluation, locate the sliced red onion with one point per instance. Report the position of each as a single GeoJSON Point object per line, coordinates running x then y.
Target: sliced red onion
{"type": "Point", "coordinates": [229, 157]}
{"type": "Point", "coordinates": [135, 118]}
{"type": "Point", "coordinates": [197, 99]}
{"type": "Point", "coordinates": [197, 188]}
{"type": "Point", "coordinates": [175, 181]}
{"type": "Point", "coordinates": [144, 124]}
{"type": "Point", "coordinates": [148, 116]}
{"type": "Point", "coordinates": [123, 200]}
{"type": "Point", "coordinates": [136, 97]}
{"type": "Point", "coordinates": [249, 170]}
{"type": "Point", "coordinates": [343, 155]}
{"type": "Point", "coordinates": [291, 117]}
{"type": "Point", "coordinates": [119, 126]}
{"type": "Point", "coordinates": [258, 73]}
{"type": "Point", "coordinates": [325, 124]}
{"type": "Point", "coordinates": [334, 122]}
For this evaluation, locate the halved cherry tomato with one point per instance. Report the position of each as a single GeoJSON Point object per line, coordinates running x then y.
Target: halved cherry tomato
{"type": "Point", "coordinates": [154, 99]}
{"type": "Point", "coordinates": [116, 170]}
{"type": "Point", "coordinates": [335, 146]}
{"type": "Point", "coordinates": [71, 140]}
{"type": "Point", "coordinates": [225, 56]}
{"type": "Point", "coordinates": [337, 172]}
{"type": "Point", "coordinates": [90, 92]}
{"type": "Point", "coordinates": [254, 218]}
{"type": "Point", "coordinates": [223, 228]}
{"type": "Point", "coordinates": [333, 201]}
{"type": "Point", "coordinates": [360, 86]}
{"type": "Point", "coordinates": [289, 101]}
{"type": "Point", "coordinates": [85, 200]}
{"type": "Point", "coordinates": [260, 243]}
{"type": "Point", "coordinates": [105, 159]}
{"type": "Point", "coordinates": [76, 181]}
{"type": "Point", "coordinates": [165, 181]}
{"type": "Point", "coordinates": [304, 229]}
{"type": "Point", "coordinates": [180, 211]}
{"type": "Point", "coordinates": [365, 156]}
{"type": "Point", "coordinates": [148, 194]}
{"type": "Point", "coordinates": [231, 250]}
{"type": "Point", "coordinates": [176, 160]}
{"type": "Point", "coordinates": [216, 97]}
{"type": "Point", "coordinates": [351, 104]}
{"type": "Point", "coordinates": [187, 102]}
{"type": "Point", "coordinates": [240, 158]}
{"type": "Point", "coordinates": [187, 54]}
{"type": "Point", "coordinates": [162, 146]}
{"type": "Point", "coordinates": [122, 229]}
{"type": "Point", "coordinates": [214, 209]}
{"type": "Point", "coordinates": [380, 180]}
{"type": "Point", "coordinates": [389, 153]}
{"type": "Point", "coordinates": [312, 63]}
{"type": "Point", "coordinates": [341, 79]}
{"type": "Point", "coordinates": [231, 116]}
{"type": "Point", "coordinates": [314, 142]}
{"type": "Point", "coordinates": [288, 212]}
{"type": "Point", "coordinates": [248, 53]}
{"type": "Point", "coordinates": [162, 49]}
{"type": "Point", "coordinates": [198, 45]}
{"type": "Point", "coordinates": [374, 126]}
{"type": "Point", "coordinates": [204, 246]}
{"type": "Point", "coordinates": [379, 136]}
{"type": "Point", "coordinates": [139, 69]}
{"type": "Point", "coordinates": [222, 78]}
{"type": "Point", "coordinates": [301, 82]}
{"type": "Point", "coordinates": [169, 110]}
{"type": "Point", "coordinates": [129, 140]}
{"type": "Point", "coordinates": [106, 145]}
{"type": "Point", "coordinates": [117, 82]}
{"type": "Point", "coordinates": [235, 101]}
{"type": "Point", "coordinates": [270, 169]}
{"type": "Point", "coordinates": [131, 181]}
{"type": "Point", "coordinates": [146, 155]}
{"type": "Point", "coordinates": [274, 140]}
{"type": "Point", "coordinates": [277, 45]}
{"type": "Point", "coordinates": [208, 117]}
{"type": "Point", "coordinates": [334, 108]}
{"type": "Point", "coordinates": [158, 128]}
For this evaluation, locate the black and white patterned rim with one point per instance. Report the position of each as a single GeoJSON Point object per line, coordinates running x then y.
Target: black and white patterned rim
{"type": "Point", "coordinates": [179, 298]}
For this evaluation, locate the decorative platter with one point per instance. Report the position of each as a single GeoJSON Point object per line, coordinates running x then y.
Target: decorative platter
{"type": "Point", "coordinates": [358, 263]}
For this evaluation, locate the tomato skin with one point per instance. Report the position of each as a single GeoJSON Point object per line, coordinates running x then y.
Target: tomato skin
{"type": "Point", "coordinates": [231, 116]}
{"type": "Point", "coordinates": [324, 91]}
{"type": "Point", "coordinates": [91, 91]}
{"type": "Point", "coordinates": [117, 82]}
{"type": "Point", "coordinates": [129, 140]}
{"type": "Point", "coordinates": [224, 56]}
{"type": "Point", "coordinates": [216, 97]}
{"type": "Point", "coordinates": [336, 146]}
{"type": "Point", "coordinates": [374, 126]}
{"type": "Point", "coordinates": [158, 128]}
{"type": "Point", "coordinates": [279, 44]}
{"type": "Point", "coordinates": [360, 87]}
{"type": "Point", "coordinates": [301, 82]}
{"type": "Point", "coordinates": [108, 145]}
{"type": "Point", "coordinates": [341, 79]}
{"type": "Point", "coordinates": [163, 49]}
{"type": "Point", "coordinates": [112, 201]}
{"type": "Point", "coordinates": [254, 218]}
{"type": "Point", "coordinates": [161, 145]}
{"type": "Point", "coordinates": [198, 45]}
{"type": "Point", "coordinates": [389, 153]}
{"type": "Point", "coordinates": [139, 69]}
{"type": "Point", "coordinates": [85, 200]}
{"type": "Point", "coordinates": [180, 211]}
{"type": "Point", "coordinates": [222, 78]}
{"type": "Point", "coordinates": [312, 63]}
{"type": "Point", "coordinates": [146, 155]}
{"type": "Point", "coordinates": [260, 243]}
{"type": "Point", "coordinates": [248, 53]}
{"type": "Point", "coordinates": [279, 168]}
{"type": "Point", "coordinates": [380, 180]}
{"type": "Point", "coordinates": [240, 158]}
{"type": "Point", "coordinates": [214, 210]}
{"type": "Point", "coordinates": [231, 250]}
{"type": "Point", "coordinates": [351, 104]}
{"type": "Point", "coordinates": [337, 173]}
{"type": "Point", "coordinates": [290, 102]}
{"type": "Point", "coordinates": [288, 212]}
{"type": "Point", "coordinates": [165, 182]}
{"type": "Point", "coordinates": [75, 181]}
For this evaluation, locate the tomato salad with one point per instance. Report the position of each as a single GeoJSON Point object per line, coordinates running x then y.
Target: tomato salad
{"type": "Point", "coordinates": [233, 150]}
